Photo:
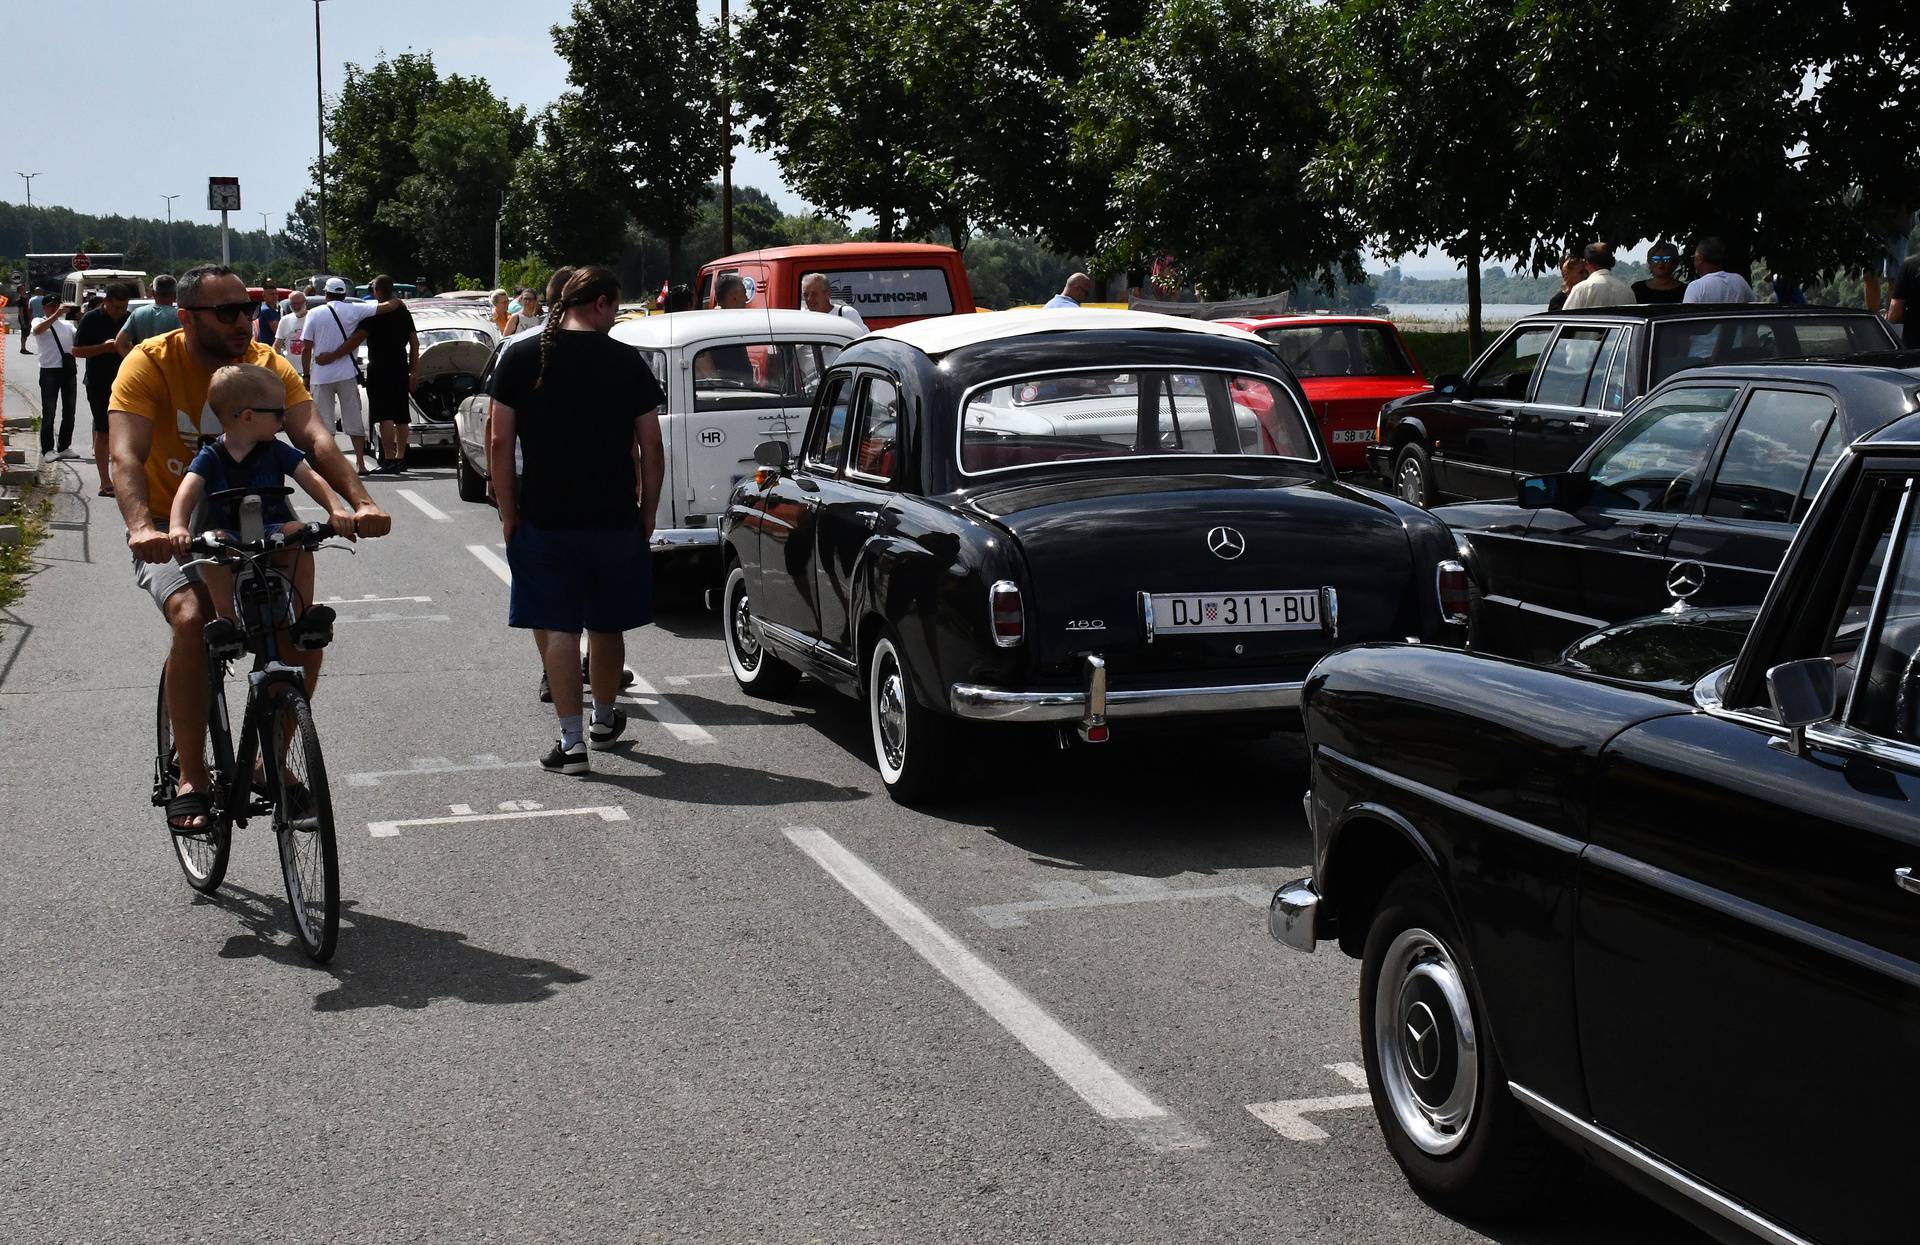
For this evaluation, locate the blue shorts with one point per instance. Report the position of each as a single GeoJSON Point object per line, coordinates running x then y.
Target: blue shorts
{"type": "Point", "coordinates": [580, 579]}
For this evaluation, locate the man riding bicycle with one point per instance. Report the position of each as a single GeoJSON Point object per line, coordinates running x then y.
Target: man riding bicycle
{"type": "Point", "coordinates": [158, 418]}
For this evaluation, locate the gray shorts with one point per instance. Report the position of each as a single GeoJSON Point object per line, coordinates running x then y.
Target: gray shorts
{"type": "Point", "coordinates": [162, 579]}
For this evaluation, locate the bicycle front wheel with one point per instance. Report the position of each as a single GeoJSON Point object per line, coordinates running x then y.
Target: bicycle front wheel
{"type": "Point", "coordinates": [203, 856]}
{"type": "Point", "coordinates": [303, 819]}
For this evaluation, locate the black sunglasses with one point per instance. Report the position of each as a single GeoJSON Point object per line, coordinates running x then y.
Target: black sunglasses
{"type": "Point", "coordinates": [278, 412]}
{"type": "Point", "coordinates": [227, 313]}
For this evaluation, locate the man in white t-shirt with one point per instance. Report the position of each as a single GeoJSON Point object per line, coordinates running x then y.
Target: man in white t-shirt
{"type": "Point", "coordinates": [286, 339]}
{"type": "Point", "coordinates": [817, 295]}
{"type": "Point", "coordinates": [330, 370]}
{"type": "Point", "coordinates": [1712, 282]}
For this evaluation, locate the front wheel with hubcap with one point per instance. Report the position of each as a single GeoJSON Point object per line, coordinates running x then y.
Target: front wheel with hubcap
{"type": "Point", "coordinates": [758, 672]}
{"type": "Point", "coordinates": [1413, 474]}
{"type": "Point", "coordinates": [910, 741]}
{"type": "Point", "coordinates": [1438, 1086]}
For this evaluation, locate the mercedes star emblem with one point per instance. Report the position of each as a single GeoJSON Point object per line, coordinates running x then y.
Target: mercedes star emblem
{"type": "Point", "coordinates": [1226, 543]}
{"type": "Point", "coordinates": [1685, 579]}
{"type": "Point", "coordinates": [1423, 1052]}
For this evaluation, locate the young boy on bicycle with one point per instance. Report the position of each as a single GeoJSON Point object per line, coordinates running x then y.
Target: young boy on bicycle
{"type": "Point", "coordinates": [248, 454]}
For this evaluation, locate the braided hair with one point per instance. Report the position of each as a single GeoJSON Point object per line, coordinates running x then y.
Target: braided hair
{"type": "Point", "coordinates": [586, 285]}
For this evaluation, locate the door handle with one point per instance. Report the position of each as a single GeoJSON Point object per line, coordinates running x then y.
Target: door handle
{"type": "Point", "coordinates": [1647, 537]}
{"type": "Point", "coordinates": [1506, 419]}
{"type": "Point", "coordinates": [870, 517]}
{"type": "Point", "coordinates": [1906, 881]}
{"type": "Point", "coordinates": [1578, 425]}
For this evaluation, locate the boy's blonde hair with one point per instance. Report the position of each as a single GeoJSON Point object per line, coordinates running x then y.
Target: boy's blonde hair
{"type": "Point", "coordinates": [240, 385]}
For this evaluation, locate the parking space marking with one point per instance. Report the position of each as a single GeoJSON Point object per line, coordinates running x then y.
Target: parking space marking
{"type": "Point", "coordinates": [1289, 1118]}
{"type": "Point", "coordinates": [389, 618]}
{"type": "Point", "coordinates": [1098, 1083]}
{"type": "Point", "coordinates": [436, 765]}
{"type": "Point", "coordinates": [493, 562]}
{"type": "Point", "coordinates": [1059, 895]}
{"type": "Point", "coordinates": [370, 599]}
{"type": "Point", "coordinates": [666, 713]}
{"type": "Point", "coordinates": [516, 811]}
{"type": "Point", "coordinates": [424, 506]}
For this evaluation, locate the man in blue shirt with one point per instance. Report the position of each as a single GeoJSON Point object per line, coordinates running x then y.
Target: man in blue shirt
{"type": "Point", "coordinates": [1078, 288]}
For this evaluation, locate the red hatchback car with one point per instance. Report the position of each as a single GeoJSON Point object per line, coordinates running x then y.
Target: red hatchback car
{"type": "Point", "coordinates": [1350, 366]}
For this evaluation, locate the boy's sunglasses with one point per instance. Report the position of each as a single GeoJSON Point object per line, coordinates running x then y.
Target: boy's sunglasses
{"type": "Point", "coordinates": [227, 313]}
{"type": "Point", "coordinates": [278, 412]}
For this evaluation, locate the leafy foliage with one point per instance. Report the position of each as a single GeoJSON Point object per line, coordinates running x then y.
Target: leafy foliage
{"type": "Point", "coordinates": [560, 202]}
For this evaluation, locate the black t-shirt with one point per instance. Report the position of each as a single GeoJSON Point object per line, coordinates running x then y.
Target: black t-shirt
{"type": "Point", "coordinates": [576, 430]}
{"type": "Point", "coordinates": [99, 326]}
{"type": "Point", "coordinates": [387, 336]}
{"type": "Point", "coordinates": [1906, 288]}
{"type": "Point", "coordinates": [1643, 292]}
{"type": "Point", "coordinates": [1558, 301]}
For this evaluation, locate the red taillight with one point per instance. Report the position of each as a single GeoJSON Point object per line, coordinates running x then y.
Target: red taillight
{"type": "Point", "coordinates": [1009, 619]}
{"type": "Point", "coordinates": [1456, 593]}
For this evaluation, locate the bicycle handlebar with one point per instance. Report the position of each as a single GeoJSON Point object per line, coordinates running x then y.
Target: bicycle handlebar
{"type": "Point", "coordinates": [308, 536]}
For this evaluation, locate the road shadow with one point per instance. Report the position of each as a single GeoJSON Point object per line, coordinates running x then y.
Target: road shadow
{"type": "Point", "coordinates": [710, 782]}
{"type": "Point", "coordinates": [384, 962]}
{"type": "Point", "coordinates": [1595, 1210]}
{"type": "Point", "coordinates": [71, 510]}
{"type": "Point", "coordinates": [680, 610]}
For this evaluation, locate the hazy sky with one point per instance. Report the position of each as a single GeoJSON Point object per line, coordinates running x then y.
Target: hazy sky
{"type": "Point", "coordinates": [140, 131]}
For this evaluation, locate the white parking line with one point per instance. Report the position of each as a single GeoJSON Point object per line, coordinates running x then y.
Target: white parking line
{"type": "Point", "coordinates": [370, 599]}
{"type": "Point", "coordinates": [493, 562]}
{"type": "Point", "coordinates": [1097, 1082]}
{"type": "Point", "coordinates": [424, 506]}
{"type": "Point", "coordinates": [1289, 1118]}
{"type": "Point", "coordinates": [389, 829]}
{"type": "Point", "coordinates": [663, 711]}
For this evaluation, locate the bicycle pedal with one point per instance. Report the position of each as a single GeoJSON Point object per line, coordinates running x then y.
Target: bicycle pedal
{"type": "Point", "coordinates": [225, 641]}
{"type": "Point", "coordinates": [314, 629]}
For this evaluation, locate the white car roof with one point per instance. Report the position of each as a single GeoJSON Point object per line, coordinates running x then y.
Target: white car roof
{"type": "Point", "coordinates": [944, 334]}
{"type": "Point", "coordinates": [680, 328]}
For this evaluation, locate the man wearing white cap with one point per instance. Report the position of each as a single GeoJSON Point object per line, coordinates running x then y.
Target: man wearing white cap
{"type": "Point", "coordinates": [329, 368]}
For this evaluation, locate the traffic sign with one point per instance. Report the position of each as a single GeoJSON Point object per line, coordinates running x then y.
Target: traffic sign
{"type": "Point", "coordinates": [223, 194]}
{"type": "Point", "coordinates": [80, 261]}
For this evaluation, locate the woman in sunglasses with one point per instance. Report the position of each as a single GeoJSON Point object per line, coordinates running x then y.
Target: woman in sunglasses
{"type": "Point", "coordinates": [1661, 287]}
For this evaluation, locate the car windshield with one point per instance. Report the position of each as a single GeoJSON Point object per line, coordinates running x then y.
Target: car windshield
{"type": "Point", "coordinates": [433, 337]}
{"type": "Point", "coordinates": [1339, 349]}
{"type": "Point", "coordinates": [1063, 417]}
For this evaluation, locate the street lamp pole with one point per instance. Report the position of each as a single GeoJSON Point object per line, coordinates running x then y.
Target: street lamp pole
{"type": "Point", "coordinates": [169, 199]}
{"type": "Point", "coordinates": [266, 231]}
{"type": "Point", "coordinates": [726, 132]}
{"type": "Point", "coordinates": [320, 131]}
{"type": "Point", "coordinates": [29, 180]}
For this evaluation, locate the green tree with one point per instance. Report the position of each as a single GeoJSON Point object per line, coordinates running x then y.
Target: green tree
{"type": "Point", "coordinates": [645, 73]}
{"type": "Point", "coordinates": [1201, 126]}
{"type": "Point", "coordinates": [465, 149]}
{"type": "Point", "coordinates": [371, 127]}
{"type": "Point", "coordinates": [561, 202]}
{"type": "Point", "coordinates": [300, 239]}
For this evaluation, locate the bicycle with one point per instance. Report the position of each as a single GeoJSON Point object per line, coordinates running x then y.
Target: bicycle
{"type": "Point", "coordinates": [293, 788]}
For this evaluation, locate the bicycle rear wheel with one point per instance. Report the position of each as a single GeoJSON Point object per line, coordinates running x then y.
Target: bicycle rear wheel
{"type": "Point", "coordinates": [203, 857]}
{"type": "Point", "coordinates": [303, 819]}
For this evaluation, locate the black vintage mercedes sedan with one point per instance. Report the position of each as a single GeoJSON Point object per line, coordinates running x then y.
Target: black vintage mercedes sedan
{"type": "Point", "coordinates": [1694, 497]}
{"type": "Point", "coordinates": [1660, 903]}
{"type": "Point", "coordinates": [1085, 519]}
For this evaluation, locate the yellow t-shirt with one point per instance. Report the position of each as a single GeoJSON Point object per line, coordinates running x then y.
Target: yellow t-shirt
{"type": "Point", "coordinates": [163, 383]}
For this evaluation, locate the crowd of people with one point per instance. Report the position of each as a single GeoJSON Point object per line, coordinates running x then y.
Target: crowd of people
{"type": "Point", "coordinates": [1587, 278]}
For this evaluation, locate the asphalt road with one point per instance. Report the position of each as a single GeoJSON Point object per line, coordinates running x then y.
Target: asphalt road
{"type": "Point", "coordinates": [679, 1024]}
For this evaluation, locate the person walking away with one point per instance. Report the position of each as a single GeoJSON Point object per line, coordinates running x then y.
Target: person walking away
{"type": "Point", "coordinates": [1896, 236]}
{"type": "Point", "coordinates": [393, 372]}
{"type": "Point", "coordinates": [286, 338]}
{"type": "Point", "coordinates": [1660, 285]}
{"type": "Point", "coordinates": [266, 319]}
{"type": "Point", "coordinates": [816, 295]}
{"type": "Point", "coordinates": [159, 414]}
{"type": "Point", "coordinates": [331, 372]}
{"type": "Point", "coordinates": [1712, 283]}
{"type": "Point", "coordinates": [1600, 288]}
{"type": "Point", "coordinates": [54, 337]}
{"type": "Point", "coordinates": [1903, 308]}
{"type": "Point", "coordinates": [94, 342]}
{"type": "Point", "coordinates": [26, 317]}
{"type": "Point", "coordinates": [584, 411]}
{"type": "Point", "coordinates": [1077, 290]}
{"type": "Point", "coordinates": [159, 316]}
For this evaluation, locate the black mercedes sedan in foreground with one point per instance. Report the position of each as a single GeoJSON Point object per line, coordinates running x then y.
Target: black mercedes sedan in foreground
{"type": "Point", "coordinates": [1694, 497]}
{"type": "Point", "coordinates": [1662, 905]}
{"type": "Point", "coordinates": [1088, 520]}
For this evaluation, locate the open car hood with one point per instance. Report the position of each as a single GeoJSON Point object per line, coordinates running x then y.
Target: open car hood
{"type": "Point", "coordinates": [448, 358]}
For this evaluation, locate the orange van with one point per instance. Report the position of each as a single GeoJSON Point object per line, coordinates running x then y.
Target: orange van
{"type": "Point", "coordinates": [888, 283]}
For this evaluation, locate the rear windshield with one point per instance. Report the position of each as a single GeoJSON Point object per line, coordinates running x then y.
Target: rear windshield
{"type": "Point", "coordinates": [1339, 349]}
{"type": "Point", "coordinates": [1681, 344]}
{"type": "Point", "coordinates": [1057, 418]}
{"type": "Point", "coordinates": [885, 292]}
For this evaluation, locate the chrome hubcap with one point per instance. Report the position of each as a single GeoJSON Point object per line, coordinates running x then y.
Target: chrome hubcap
{"type": "Point", "coordinates": [1425, 1044]}
{"type": "Point", "coordinates": [746, 645]}
{"type": "Point", "coordinates": [1411, 486]}
{"type": "Point", "coordinates": [892, 715]}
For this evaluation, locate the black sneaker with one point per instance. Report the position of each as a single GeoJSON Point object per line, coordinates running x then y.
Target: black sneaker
{"type": "Point", "coordinates": [566, 760]}
{"type": "Point", "coordinates": [606, 734]}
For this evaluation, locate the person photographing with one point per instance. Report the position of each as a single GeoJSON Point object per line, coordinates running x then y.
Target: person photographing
{"type": "Point", "coordinates": [578, 521]}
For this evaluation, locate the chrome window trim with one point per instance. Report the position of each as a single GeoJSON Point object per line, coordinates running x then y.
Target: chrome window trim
{"type": "Point", "coordinates": [1458, 804]}
{"type": "Point", "coordinates": [1593, 624]}
{"type": "Point", "coordinates": [1877, 616]}
{"type": "Point", "coordinates": [1665, 1173]}
{"type": "Point", "coordinates": [1307, 419]}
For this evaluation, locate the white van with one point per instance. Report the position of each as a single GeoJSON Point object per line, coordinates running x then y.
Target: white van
{"type": "Point", "coordinates": [733, 379]}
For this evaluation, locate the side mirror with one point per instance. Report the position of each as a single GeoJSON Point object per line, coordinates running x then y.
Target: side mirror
{"type": "Point", "coordinates": [1803, 694]}
{"type": "Point", "coordinates": [1449, 384]}
{"type": "Point", "coordinates": [1565, 490]}
{"type": "Point", "coordinates": [773, 454]}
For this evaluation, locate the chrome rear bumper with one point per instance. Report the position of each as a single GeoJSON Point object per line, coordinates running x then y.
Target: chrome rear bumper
{"type": "Point", "coordinates": [997, 704]}
{"type": "Point", "coordinates": [682, 539]}
{"type": "Point", "coordinates": [1291, 914]}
